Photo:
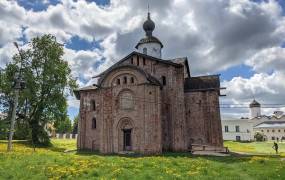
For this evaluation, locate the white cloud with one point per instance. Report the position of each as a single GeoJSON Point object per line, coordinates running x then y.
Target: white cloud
{"type": "Point", "coordinates": [83, 63]}
{"type": "Point", "coordinates": [215, 35]}
{"type": "Point", "coordinates": [267, 89]}
{"type": "Point", "coordinates": [6, 53]}
{"type": "Point", "coordinates": [268, 60]}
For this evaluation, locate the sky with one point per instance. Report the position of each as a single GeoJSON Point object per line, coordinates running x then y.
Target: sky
{"type": "Point", "coordinates": [242, 40]}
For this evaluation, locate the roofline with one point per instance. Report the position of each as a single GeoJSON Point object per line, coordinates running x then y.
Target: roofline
{"type": "Point", "coordinates": [139, 43]}
{"type": "Point", "coordinates": [207, 75]}
{"type": "Point", "coordinates": [144, 55]}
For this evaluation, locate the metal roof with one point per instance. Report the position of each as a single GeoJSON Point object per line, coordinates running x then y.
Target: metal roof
{"type": "Point", "coordinates": [271, 124]}
{"type": "Point", "coordinates": [149, 39]}
{"type": "Point", "coordinates": [201, 83]}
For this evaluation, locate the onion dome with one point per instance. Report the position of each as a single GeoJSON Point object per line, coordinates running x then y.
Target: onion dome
{"type": "Point", "coordinates": [148, 26]}
{"type": "Point", "coordinates": [254, 103]}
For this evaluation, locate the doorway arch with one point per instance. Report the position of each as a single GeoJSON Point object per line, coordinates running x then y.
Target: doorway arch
{"type": "Point", "coordinates": [125, 130]}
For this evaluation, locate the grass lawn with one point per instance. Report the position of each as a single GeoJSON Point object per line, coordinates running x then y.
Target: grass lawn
{"type": "Point", "coordinates": [255, 147]}
{"type": "Point", "coordinates": [53, 163]}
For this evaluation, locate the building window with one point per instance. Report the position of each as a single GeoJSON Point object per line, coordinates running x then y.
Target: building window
{"type": "Point", "coordinates": [278, 130]}
{"type": "Point", "coordinates": [132, 60]}
{"type": "Point", "coordinates": [126, 100]}
{"type": "Point", "coordinates": [144, 62]}
{"type": "Point", "coordinates": [237, 138]}
{"type": "Point", "coordinates": [226, 128]}
{"type": "Point", "coordinates": [94, 123]}
{"type": "Point", "coordinates": [138, 60]}
{"type": "Point", "coordinates": [145, 50]}
{"type": "Point", "coordinates": [93, 105]}
{"type": "Point", "coordinates": [273, 130]}
{"type": "Point", "coordinates": [267, 130]}
{"type": "Point", "coordinates": [163, 80]}
{"type": "Point", "coordinates": [261, 130]}
{"type": "Point", "coordinates": [272, 138]}
{"type": "Point", "coordinates": [118, 81]}
{"type": "Point", "coordinates": [125, 80]}
{"type": "Point", "coordinates": [132, 80]}
{"type": "Point", "coordinates": [237, 128]}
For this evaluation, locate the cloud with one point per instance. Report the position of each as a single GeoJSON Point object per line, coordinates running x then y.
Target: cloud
{"type": "Point", "coordinates": [267, 89]}
{"type": "Point", "coordinates": [10, 22]}
{"type": "Point", "coordinates": [268, 60]}
{"type": "Point", "coordinates": [214, 35]}
{"type": "Point", "coordinates": [6, 54]}
{"type": "Point", "coordinates": [83, 63]}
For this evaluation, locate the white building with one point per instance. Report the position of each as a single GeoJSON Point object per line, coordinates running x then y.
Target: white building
{"type": "Point", "coordinates": [243, 129]}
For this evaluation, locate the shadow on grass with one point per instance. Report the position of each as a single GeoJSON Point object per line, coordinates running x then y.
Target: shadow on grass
{"type": "Point", "coordinates": [232, 159]}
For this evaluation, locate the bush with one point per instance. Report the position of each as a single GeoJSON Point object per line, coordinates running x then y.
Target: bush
{"type": "Point", "coordinates": [259, 136]}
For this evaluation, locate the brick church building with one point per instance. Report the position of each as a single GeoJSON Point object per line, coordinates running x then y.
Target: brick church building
{"type": "Point", "coordinates": [149, 105]}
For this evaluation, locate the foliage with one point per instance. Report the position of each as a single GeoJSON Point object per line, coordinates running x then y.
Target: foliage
{"type": "Point", "coordinates": [48, 79]}
{"type": "Point", "coordinates": [3, 128]}
{"type": "Point", "coordinates": [75, 125]}
{"type": "Point", "coordinates": [63, 126]}
{"type": "Point", "coordinates": [22, 130]}
{"type": "Point", "coordinates": [259, 136]}
{"type": "Point", "coordinates": [52, 163]}
{"type": "Point", "coordinates": [4, 108]}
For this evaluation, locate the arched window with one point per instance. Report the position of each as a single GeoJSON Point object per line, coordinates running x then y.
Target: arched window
{"type": "Point", "coordinates": [138, 60]}
{"type": "Point", "coordinates": [94, 123]}
{"type": "Point", "coordinates": [163, 80]}
{"type": "Point", "coordinates": [126, 100]}
{"type": "Point", "coordinates": [132, 80]}
{"type": "Point", "coordinates": [93, 105]}
{"type": "Point", "coordinates": [118, 81]}
{"type": "Point", "coordinates": [125, 80]}
{"type": "Point", "coordinates": [145, 50]}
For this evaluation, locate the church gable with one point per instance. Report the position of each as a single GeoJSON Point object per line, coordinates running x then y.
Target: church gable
{"type": "Point", "coordinates": [145, 62]}
{"type": "Point", "coordinates": [126, 75]}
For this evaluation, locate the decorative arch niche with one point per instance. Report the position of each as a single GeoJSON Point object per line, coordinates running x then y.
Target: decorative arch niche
{"type": "Point", "coordinates": [125, 130]}
{"type": "Point", "coordinates": [126, 100]}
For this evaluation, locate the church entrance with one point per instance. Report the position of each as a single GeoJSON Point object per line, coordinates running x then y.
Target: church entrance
{"type": "Point", "coordinates": [127, 139]}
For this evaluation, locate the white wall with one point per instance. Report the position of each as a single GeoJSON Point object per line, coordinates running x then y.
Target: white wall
{"type": "Point", "coordinates": [255, 112]}
{"type": "Point", "coordinates": [249, 124]}
{"type": "Point", "coordinates": [245, 129]}
{"type": "Point", "coordinates": [151, 47]}
{"type": "Point", "coordinates": [268, 132]}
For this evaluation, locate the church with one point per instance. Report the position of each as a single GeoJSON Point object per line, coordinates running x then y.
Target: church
{"type": "Point", "coordinates": [149, 105]}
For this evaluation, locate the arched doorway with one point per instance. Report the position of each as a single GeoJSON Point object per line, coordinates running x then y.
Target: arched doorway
{"type": "Point", "coordinates": [127, 140]}
{"type": "Point", "coordinates": [125, 130]}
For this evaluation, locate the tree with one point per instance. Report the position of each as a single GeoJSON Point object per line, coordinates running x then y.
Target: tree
{"type": "Point", "coordinates": [75, 125]}
{"type": "Point", "coordinates": [63, 126]}
{"type": "Point", "coordinates": [259, 136]}
{"type": "Point", "coordinates": [48, 82]}
{"type": "Point", "coordinates": [4, 108]}
{"type": "Point", "coordinates": [3, 127]}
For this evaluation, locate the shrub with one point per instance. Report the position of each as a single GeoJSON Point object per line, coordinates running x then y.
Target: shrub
{"type": "Point", "coordinates": [259, 136]}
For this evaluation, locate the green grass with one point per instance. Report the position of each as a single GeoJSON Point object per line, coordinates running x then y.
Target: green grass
{"type": "Point", "coordinates": [254, 147]}
{"type": "Point", "coordinates": [53, 163]}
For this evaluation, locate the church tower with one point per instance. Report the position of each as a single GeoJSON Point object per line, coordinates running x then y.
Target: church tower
{"type": "Point", "coordinates": [149, 45]}
{"type": "Point", "coordinates": [255, 109]}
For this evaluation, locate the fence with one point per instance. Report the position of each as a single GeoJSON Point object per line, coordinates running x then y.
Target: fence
{"type": "Point", "coordinates": [66, 136]}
